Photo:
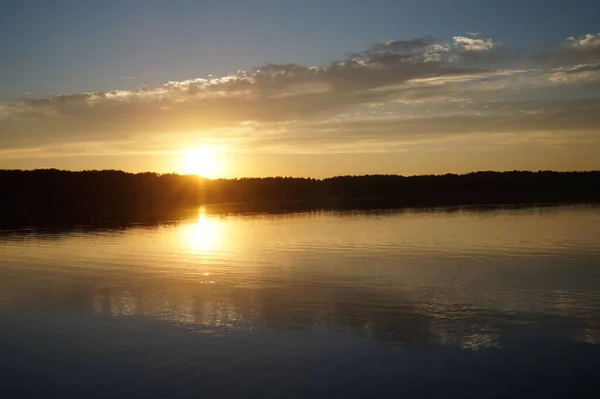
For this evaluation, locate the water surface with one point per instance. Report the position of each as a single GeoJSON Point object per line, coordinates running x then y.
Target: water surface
{"type": "Point", "coordinates": [454, 302]}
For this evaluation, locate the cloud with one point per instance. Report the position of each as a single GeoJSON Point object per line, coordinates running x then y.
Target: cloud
{"type": "Point", "coordinates": [586, 43]}
{"type": "Point", "coordinates": [539, 122]}
{"type": "Point", "coordinates": [583, 48]}
{"type": "Point", "coordinates": [577, 69]}
{"type": "Point", "coordinates": [403, 45]}
{"type": "Point", "coordinates": [396, 90]}
{"type": "Point", "coordinates": [574, 49]}
{"type": "Point", "coordinates": [579, 73]}
{"type": "Point", "coordinates": [470, 44]}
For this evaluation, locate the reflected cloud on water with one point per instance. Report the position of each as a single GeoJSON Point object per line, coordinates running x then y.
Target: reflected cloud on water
{"type": "Point", "coordinates": [402, 319]}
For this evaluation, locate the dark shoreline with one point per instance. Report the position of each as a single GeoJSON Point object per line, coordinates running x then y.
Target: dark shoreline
{"type": "Point", "coordinates": [52, 197]}
{"type": "Point", "coordinates": [8, 223]}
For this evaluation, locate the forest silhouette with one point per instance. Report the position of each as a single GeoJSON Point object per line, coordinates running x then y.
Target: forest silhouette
{"type": "Point", "coordinates": [51, 195]}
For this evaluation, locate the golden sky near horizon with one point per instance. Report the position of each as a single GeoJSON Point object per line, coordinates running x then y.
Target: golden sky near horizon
{"type": "Point", "coordinates": [412, 106]}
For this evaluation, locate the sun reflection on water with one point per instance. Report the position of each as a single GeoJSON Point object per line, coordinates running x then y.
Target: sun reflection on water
{"type": "Point", "coordinates": [204, 235]}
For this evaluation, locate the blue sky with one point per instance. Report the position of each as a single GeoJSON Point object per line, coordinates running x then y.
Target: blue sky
{"type": "Point", "coordinates": [60, 47]}
{"type": "Point", "coordinates": [300, 88]}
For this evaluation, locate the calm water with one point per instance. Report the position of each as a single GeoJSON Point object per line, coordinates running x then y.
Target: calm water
{"type": "Point", "coordinates": [452, 303]}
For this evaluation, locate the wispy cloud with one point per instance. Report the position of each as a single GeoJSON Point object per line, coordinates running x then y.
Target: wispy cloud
{"type": "Point", "coordinates": [390, 94]}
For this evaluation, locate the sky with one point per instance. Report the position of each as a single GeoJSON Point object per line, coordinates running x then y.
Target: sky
{"type": "Point", "coordinates": [300, 88]}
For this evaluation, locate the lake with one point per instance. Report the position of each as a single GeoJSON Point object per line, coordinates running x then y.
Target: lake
{"type": "Point", "coordinates": [458, 302]}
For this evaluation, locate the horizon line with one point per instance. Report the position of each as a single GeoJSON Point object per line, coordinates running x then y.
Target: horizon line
{"type": "Point", "coordinates": [300, 177]}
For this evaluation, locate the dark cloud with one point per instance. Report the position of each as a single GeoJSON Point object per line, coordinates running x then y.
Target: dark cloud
{"type": "Point", "coordinates": [402, 46]}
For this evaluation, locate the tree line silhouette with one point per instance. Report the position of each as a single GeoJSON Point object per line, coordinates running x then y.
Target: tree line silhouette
{"type": "Point", "coordinates": [51, 194]}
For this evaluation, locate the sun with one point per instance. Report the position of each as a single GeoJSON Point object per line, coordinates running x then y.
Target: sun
{"type": "Point", "coordinates": [203, 161]}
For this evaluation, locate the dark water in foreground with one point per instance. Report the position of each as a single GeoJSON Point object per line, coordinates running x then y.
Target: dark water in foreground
{"type": "Point", "coordinates": [461, 303]}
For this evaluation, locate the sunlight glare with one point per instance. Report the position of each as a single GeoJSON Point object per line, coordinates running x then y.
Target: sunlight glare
{"type": "Point", "coordinates": [204, 235]}
{"type": "Point", "coordinates": [202, 161]}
